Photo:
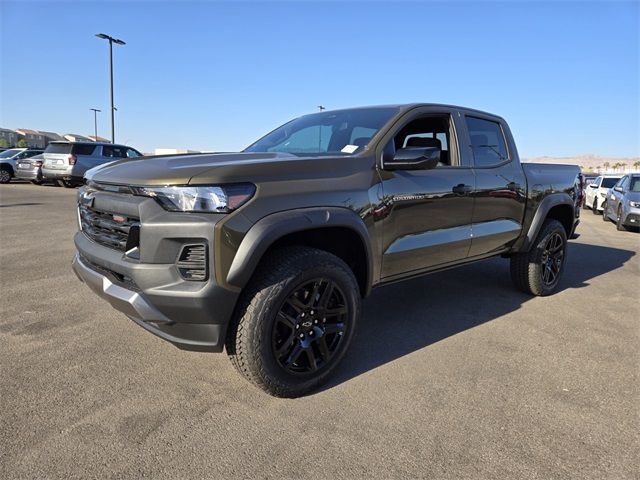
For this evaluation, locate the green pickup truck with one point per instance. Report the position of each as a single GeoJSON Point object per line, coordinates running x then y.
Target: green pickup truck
{"type": "Point", "coordinates": [268, 252]}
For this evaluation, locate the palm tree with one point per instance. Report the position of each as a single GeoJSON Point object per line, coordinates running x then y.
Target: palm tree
{"type": "Point", "coordinates": [637, 165]}
{"type": "Point", "coordinates": [606, 166]}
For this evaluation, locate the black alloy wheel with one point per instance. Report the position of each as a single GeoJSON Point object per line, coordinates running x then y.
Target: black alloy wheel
{"type": "Point", "coordinates": [310, 326]}
{"type": "Point", "coordinates": [552, 260]}
{"type": "Point", "coordinates": [294, 320]}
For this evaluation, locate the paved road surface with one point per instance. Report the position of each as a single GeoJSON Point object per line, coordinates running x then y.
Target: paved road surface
{"type": "Point", "coordinates": [455, 375]}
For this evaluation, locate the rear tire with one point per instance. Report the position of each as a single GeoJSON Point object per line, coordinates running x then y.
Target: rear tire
{"type": "Point", "coordinates": [6, 174]}
{"type": "Point", "coordinates": [64, 183]}
{"type": "Point", "coordinates": [289, 332]}
{"type": "Point", "coordinates": [539, 270]}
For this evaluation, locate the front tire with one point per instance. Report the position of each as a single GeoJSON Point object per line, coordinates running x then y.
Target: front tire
{"type": "Point", "coordinates": [595, 206]}
{"type": "Point", "coordinates": [5, 175]}
{"type": "Point", "coordinates": [538, 271]}
{"type": "Point", "coordinates": [294, 321]}
{"type": "Point", "coordinates": [619, 225]}
{"type": "Point", "coordinates": [605, 216]}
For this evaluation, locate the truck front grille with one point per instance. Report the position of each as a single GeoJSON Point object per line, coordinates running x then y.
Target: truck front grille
{"type": "Point", "coordinates": [110, 230]}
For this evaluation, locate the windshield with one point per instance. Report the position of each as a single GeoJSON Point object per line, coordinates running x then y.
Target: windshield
{"type": "Point", "coordinates": [635, 184]}
{"type": "Point", "coordinates": [342, 132]}
{"type": "Point", "coordinates": [609, 182]}
{"type": "Point", "coordinates": [58, 148]}
{"type": "Point", "coordinates": [10, 153]}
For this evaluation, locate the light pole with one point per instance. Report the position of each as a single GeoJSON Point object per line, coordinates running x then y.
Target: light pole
{"type": "Point", "coordinates": [111, 42]}
{"type": "Point", "coordinates": [95, 122]}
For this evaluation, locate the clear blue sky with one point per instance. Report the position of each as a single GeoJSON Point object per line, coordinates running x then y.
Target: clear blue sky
{"type": "Point", "coordinates": [217, 75]}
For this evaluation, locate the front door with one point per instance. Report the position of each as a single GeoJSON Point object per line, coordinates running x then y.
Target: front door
{"type": "Point", "coordinates": [429, 212]}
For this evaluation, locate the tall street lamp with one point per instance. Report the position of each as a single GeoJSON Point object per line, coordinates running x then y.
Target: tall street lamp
{"type": "Point", "coordinates": [95, 122]}
{"type": "Point", "coordinates": [111, 42]}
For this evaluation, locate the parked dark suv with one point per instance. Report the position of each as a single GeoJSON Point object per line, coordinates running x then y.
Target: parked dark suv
{"type": "Point", "coordinates": [67, 162]}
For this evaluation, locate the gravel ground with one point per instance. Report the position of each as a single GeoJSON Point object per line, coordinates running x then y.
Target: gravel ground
{"type": "Point", "coordinates": [454, 375]}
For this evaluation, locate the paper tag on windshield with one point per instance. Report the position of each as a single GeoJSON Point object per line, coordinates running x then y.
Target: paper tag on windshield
{"type": "Point", "coordinates": [349, 148]}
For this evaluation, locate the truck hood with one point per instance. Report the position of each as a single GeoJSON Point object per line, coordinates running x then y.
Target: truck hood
{"type": "Point", "coordinates": [188, 169]}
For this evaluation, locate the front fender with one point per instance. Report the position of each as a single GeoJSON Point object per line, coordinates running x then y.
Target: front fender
{"type": "Point", "coordinates": [275, 226]}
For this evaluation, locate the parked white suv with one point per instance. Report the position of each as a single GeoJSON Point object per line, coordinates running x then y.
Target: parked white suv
{"type": "Point", "coordinates": [597, 191]}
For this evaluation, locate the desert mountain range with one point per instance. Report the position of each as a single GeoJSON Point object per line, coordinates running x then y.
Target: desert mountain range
{"type": "Point", "coordinates": [594, 163]}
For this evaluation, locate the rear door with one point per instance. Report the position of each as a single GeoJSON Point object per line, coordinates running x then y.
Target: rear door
{"type": "Point", "coordinates": [500, 191]}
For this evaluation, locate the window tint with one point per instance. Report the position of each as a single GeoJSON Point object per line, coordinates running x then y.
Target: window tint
{"type": "Point", "coordinates": [113, 152]}
{"type": "Point", "coordinates": [132, 153]}
{"type": "Point", "coordinates": [59, 148]}
{"type": "Point", "coordinates": [360, 136]}
{"type": "Point", "coordinates": [83, 149]}
{"type": "Point", "coordinates": [608, 182]}
{"type": "Point", "coordinates": [428, 131]}
{"type": "Point", "coordinates": [307, 140]}
{"type": "Point", "coordinates": [323, 133]}
{"type": "Point", "coordinates": [487, 142]}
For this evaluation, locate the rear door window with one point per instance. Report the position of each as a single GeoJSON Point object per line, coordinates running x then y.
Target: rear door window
{"type": "Point", "coordinates": [487, 142]}
{"type": "Point", "coordinates": [82, 149]}
{"type": "Point", "coordinates": [113, 151]}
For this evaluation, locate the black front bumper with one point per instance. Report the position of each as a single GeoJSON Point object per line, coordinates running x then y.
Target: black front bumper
{"type": "Point", "coordinates": [148, 287]}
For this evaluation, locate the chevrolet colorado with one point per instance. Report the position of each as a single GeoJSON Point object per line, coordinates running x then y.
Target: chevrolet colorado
{"type": "Point", "coordinates": [268, 252]}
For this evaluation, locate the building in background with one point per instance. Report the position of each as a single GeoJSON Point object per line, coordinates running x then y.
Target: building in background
{"type": "Point", "coordinates": [9, 137]}
{"type": "Point", "coordinates": [33, 138]}
{"type": "Point", "coordinates": [173, 151]}
{"type": "Point", "coordinates": [51, 137]}
{"type": "Point", "coordinates": [74, 137]}
{"type": "Point", "coordinates": [93, 138]}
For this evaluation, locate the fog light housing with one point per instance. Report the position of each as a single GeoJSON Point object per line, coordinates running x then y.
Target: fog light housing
{"type": "Point", "coordinates": [192, 262]}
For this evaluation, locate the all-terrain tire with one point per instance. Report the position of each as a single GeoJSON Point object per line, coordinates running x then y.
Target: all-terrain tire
{"type": "Point", "coordinates": [528, 268]}
{"type": "Point", "coordinates": [249, 341]}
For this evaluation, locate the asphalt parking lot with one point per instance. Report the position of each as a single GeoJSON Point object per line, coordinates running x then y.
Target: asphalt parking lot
{"type": "Point", "coordinates": [454, 375]}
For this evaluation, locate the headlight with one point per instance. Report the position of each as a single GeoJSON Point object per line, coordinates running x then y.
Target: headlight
{"type": "Point", "coordinates": [200, 198]}
{"type": "Point", "coordinates": [635, 204]}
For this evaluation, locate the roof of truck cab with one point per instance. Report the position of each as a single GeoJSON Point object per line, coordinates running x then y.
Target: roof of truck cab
{"type": "Point", "coordinates": [405, 107]}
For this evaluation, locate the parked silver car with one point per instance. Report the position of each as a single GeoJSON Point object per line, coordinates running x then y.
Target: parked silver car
{"type": "Point", "coordinates": [623, 202]}
{"type": "Point", "coordinates": [30, 169]}
{"type": "Point", "coordinates": [10, 157]}
{"type": "Point", "coordinates": [66, 162]}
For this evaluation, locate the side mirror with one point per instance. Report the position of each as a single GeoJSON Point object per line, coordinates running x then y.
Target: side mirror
{"type": "Point", "coordinates": [593, 185]}
{"type": "Point", "coordinates": [414, 158]}
{"type": "Point", "coordinates": [619, 189]}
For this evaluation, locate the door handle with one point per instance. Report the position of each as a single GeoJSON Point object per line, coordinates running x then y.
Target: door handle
{"type": "Point", "coordinates": [462, 189]}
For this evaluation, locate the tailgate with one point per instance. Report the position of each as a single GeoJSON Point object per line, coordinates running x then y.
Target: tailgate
{"type": "Point", "coordinates": [56, 160]}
